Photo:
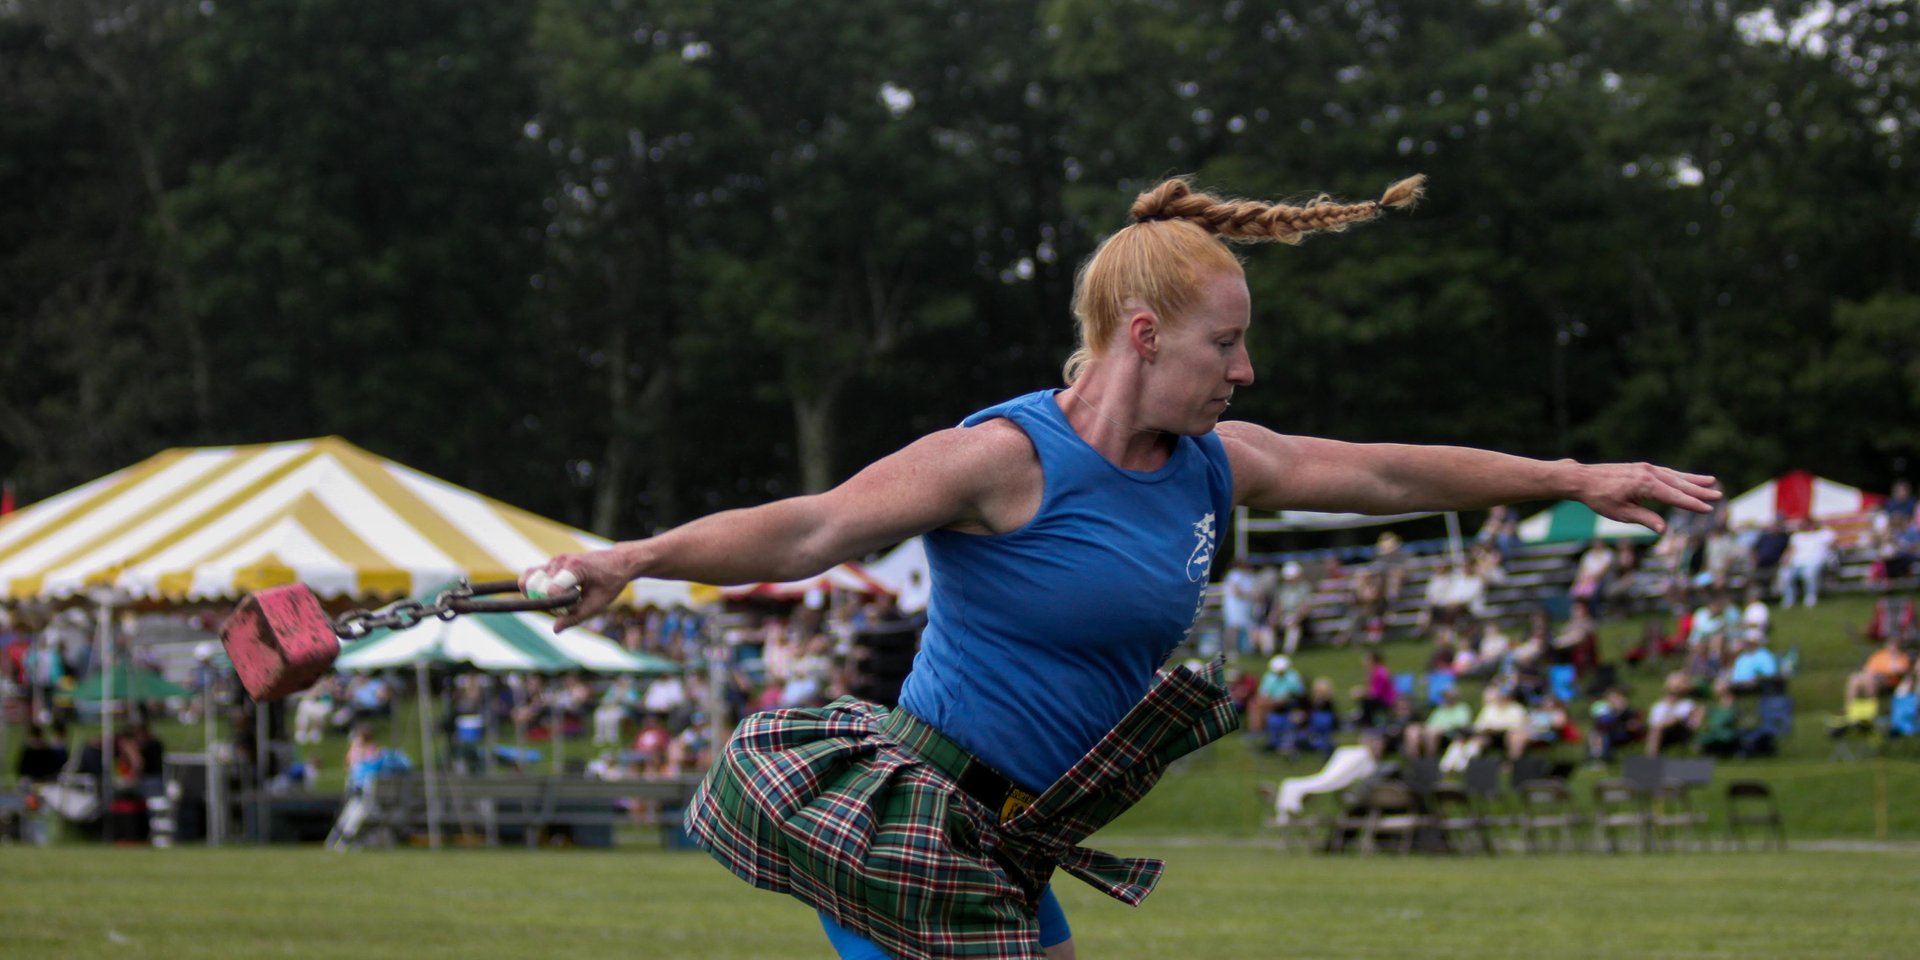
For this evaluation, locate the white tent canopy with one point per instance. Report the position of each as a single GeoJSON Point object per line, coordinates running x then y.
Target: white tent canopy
{"type": "Point", "coordinates": [1797, 495]}
{"type": "Point", "coordinates": [906, 574]}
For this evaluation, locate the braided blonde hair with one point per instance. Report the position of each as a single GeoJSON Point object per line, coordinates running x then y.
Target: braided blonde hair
{"type": "Point", "coordinates": [1174, 243]}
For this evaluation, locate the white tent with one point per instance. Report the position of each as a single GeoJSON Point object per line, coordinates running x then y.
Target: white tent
{"type": "Point", "coordinates": [1797, 495]}
{"type": "Point", "coordinates": [906, 574]}
{"type": "Point", "coordinates": [217, 522]}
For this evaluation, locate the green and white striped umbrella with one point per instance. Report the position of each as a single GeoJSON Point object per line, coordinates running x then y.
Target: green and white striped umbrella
{"type": "Point", "coordinates": [498, 642]}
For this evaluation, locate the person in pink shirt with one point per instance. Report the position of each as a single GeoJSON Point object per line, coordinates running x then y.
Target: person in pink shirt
{"type": "Point", "coordinates": [1376, 704]}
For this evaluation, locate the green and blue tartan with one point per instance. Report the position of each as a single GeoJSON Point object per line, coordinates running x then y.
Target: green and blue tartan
{"type": "Point", "coordinates": [856, 810]}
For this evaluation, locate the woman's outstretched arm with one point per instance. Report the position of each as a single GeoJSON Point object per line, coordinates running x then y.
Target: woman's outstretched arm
{"type": "Point", "coordinates": [951, 478]}
{"type": "Point", "coordinates": [1273, 471]}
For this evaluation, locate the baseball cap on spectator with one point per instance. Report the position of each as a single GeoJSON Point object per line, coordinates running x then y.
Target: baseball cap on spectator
{"type": "Point", "coordinates": [1279, 664]}
{"type": "Point", "coordinates": [1290, 569]}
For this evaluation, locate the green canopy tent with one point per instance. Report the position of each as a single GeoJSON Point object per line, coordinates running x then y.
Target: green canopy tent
{"type": "Point", "coordinates": [129, 683]}
{"type": "Point", "coordinates": [1571, 521]}
{"type": "Point", "coordinates": [493, 643]}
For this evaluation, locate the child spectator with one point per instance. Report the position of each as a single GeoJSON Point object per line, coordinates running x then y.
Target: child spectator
{"type": "Point", "coordinates": [1720, 729]}
{"type": "Point", "coordinates": [1615, 724]}
{"type": "Point", "coordinates": [1673, 718]}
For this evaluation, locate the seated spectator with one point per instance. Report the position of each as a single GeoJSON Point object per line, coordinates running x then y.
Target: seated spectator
{"type": "Point", "coordinates": [1287, 615]}
{"type": "Point", "coordinates": [1578, 641]}
{"type": "Point", "coordinates": [1449, 720]}
{"type": "Point", "coordinates": [650, 744]}
{"type": "Point", "coordinates": [371, 697]}
{"type": "Point", "coordinates": [311, 715]}
{"type": "Point", "coordinates": [1896, 512]}
{"type": "Point", "coordinates": [1590, 575]}
{"type": "Point", "coordinates": [1377, 697]}
{"type": "Point", "coordinates": [1501, 724]}
{"type": "Point", "coordinates": [1281, 689]}
{"type": "Point", "coordinates": [1390, 565]}
{"type": "Point", "coordinates": [1720, 728]}
{"type": "Point", "coordinates": [1882, 672]}
{"type": "Point", "coordinates": [610, 716]}
{"type": "Point", "coordinates": [1366, 609]}
{"type": "Point", "coordinates": [1673, 718]}
{"type": "Point", "coordinates": [1809, 551]}
{"type": "Point", "coordinates": [1755, 669]}
{"type": "Point", "coordinates": [1901, 549]}
{"type": "Point", "coordinates": [1755, 619]}
{"type": "Point", "coordinates": [1399, 724]}
{"type": "Point", "coordinates": [40, 759]}
{"type": "Point", "coordinates": [1768, 548]}
{"type": "Point", "coordinates": [1619, 588]}
{"type": "Point", "coordinates": [1344, 768]}
{"type": "Point", "coordinates": [1309, 726]}
{"type": "Point", "coordinates": [1488, 654]}
{"type": "Point", "coordinates": [1453, 593]}
{"type": "Point", "coordinates": [1725, 558]}
{"type": "Point", "coordinates": [1903, 711]}
{"type": "Point", "coordinates": [1712, 626]}
{"type": "Point", "coordinates": [1548, 724]}
{"type": "Point", "coordinates": [1615, 724]}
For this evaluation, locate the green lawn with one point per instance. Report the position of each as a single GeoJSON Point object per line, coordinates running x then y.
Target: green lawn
{"type": "Point", "coordinates": [1218, 901]}
{"type": "Point", "coordinates": [1212, 792]}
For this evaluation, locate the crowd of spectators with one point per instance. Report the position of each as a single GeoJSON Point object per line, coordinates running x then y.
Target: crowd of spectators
{"type": "Point", "coordinates": [1706, 677]}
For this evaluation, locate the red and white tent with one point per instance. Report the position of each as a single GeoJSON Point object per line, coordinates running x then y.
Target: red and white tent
{"type": "Point", "coordinates": [850, 577]}
{"type": "Point", "coordinates": [1797, 495]}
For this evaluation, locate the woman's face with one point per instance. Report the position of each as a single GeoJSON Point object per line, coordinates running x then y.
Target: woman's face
{"type": "Point", "coordinates": [1201, 359]}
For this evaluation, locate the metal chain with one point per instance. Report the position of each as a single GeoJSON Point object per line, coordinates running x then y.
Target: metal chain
{"type": "Point", "coordinates": [355, 624]}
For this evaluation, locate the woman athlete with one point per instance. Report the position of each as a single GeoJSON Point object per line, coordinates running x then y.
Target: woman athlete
{"type": "Point", "coordinates": [1070, 533]}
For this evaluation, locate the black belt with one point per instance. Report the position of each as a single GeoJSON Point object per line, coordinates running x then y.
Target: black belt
{"type": "Point", "coordinates": [975, 779]}
{"type": "Point", "coordinates": [987, 785]}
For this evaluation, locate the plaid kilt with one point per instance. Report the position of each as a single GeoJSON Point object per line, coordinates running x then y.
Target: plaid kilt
{"type": "Point", "coordinates": [855, 810]}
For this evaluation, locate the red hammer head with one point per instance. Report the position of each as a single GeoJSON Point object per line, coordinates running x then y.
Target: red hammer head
{"type": "Point", "coordinates": [280, 641]}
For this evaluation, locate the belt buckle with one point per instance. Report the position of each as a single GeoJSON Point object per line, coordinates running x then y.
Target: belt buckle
{"type": "Point", "coordinates": [1016, 801]}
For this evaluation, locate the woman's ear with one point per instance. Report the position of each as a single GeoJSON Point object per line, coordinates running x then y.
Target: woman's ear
{"type": "Point", "coordinates": [1143, 334]}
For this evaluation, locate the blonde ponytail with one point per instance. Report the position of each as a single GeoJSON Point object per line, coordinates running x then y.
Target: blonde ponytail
{"type": "Point", "coordinates": [1160, 260]}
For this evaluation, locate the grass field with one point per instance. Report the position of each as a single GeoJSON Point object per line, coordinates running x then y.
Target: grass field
{"type": "Point", "coordinates": [1219, 900]}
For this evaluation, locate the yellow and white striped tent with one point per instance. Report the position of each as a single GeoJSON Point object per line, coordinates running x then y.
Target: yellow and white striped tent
{"type": "Point", "coordinates": [216, 522]}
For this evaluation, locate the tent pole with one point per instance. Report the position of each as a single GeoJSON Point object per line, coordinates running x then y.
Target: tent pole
{"type": "Point", "coordinates": [216, 810]}
{"type": "Point", "coordinates": [260, 748]}
{"type": "Point", "coordinates": [103, 635]}
{"type": "Point", "coordinates": [490, 736]}
{"type": "Point", "coordinates": [423, 707]}
{"type": "Point", "coordinates": [1239, 533]}
{"type": "Point", "coordinates": [1453, 535]}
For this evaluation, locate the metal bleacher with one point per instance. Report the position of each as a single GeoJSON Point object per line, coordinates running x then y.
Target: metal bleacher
{"type": "Point", "coordinates": [1536, 574]}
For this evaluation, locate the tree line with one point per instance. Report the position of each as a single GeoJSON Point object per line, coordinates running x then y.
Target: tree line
{"type": "Point", "coordinates": [626, 261]}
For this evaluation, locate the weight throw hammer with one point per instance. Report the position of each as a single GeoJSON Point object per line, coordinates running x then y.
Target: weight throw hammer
{"type": "Point", "coordinates": [282, 642]}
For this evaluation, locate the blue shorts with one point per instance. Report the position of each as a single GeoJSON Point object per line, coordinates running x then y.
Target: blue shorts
{"type": "Point", "coordinates": [852, 946]}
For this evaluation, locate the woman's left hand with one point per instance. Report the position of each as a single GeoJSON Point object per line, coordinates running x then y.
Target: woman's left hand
{"type": "Point", "coordinates": [1617, 491]}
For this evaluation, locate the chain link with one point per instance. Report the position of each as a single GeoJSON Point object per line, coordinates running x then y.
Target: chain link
{"type": "Point", "coordinates": [355, 624]}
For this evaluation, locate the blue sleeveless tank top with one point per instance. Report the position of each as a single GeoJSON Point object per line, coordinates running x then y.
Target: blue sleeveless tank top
{"type": "Point", "coordinates": [1040, 639]}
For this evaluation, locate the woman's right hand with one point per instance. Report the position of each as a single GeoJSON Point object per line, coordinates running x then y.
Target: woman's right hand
{"type": "Point", "coordinates": [600, 575]}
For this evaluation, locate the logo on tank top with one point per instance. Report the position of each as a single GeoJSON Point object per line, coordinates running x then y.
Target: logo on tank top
{"type": "Point", "coordinates": [1201, 559]}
